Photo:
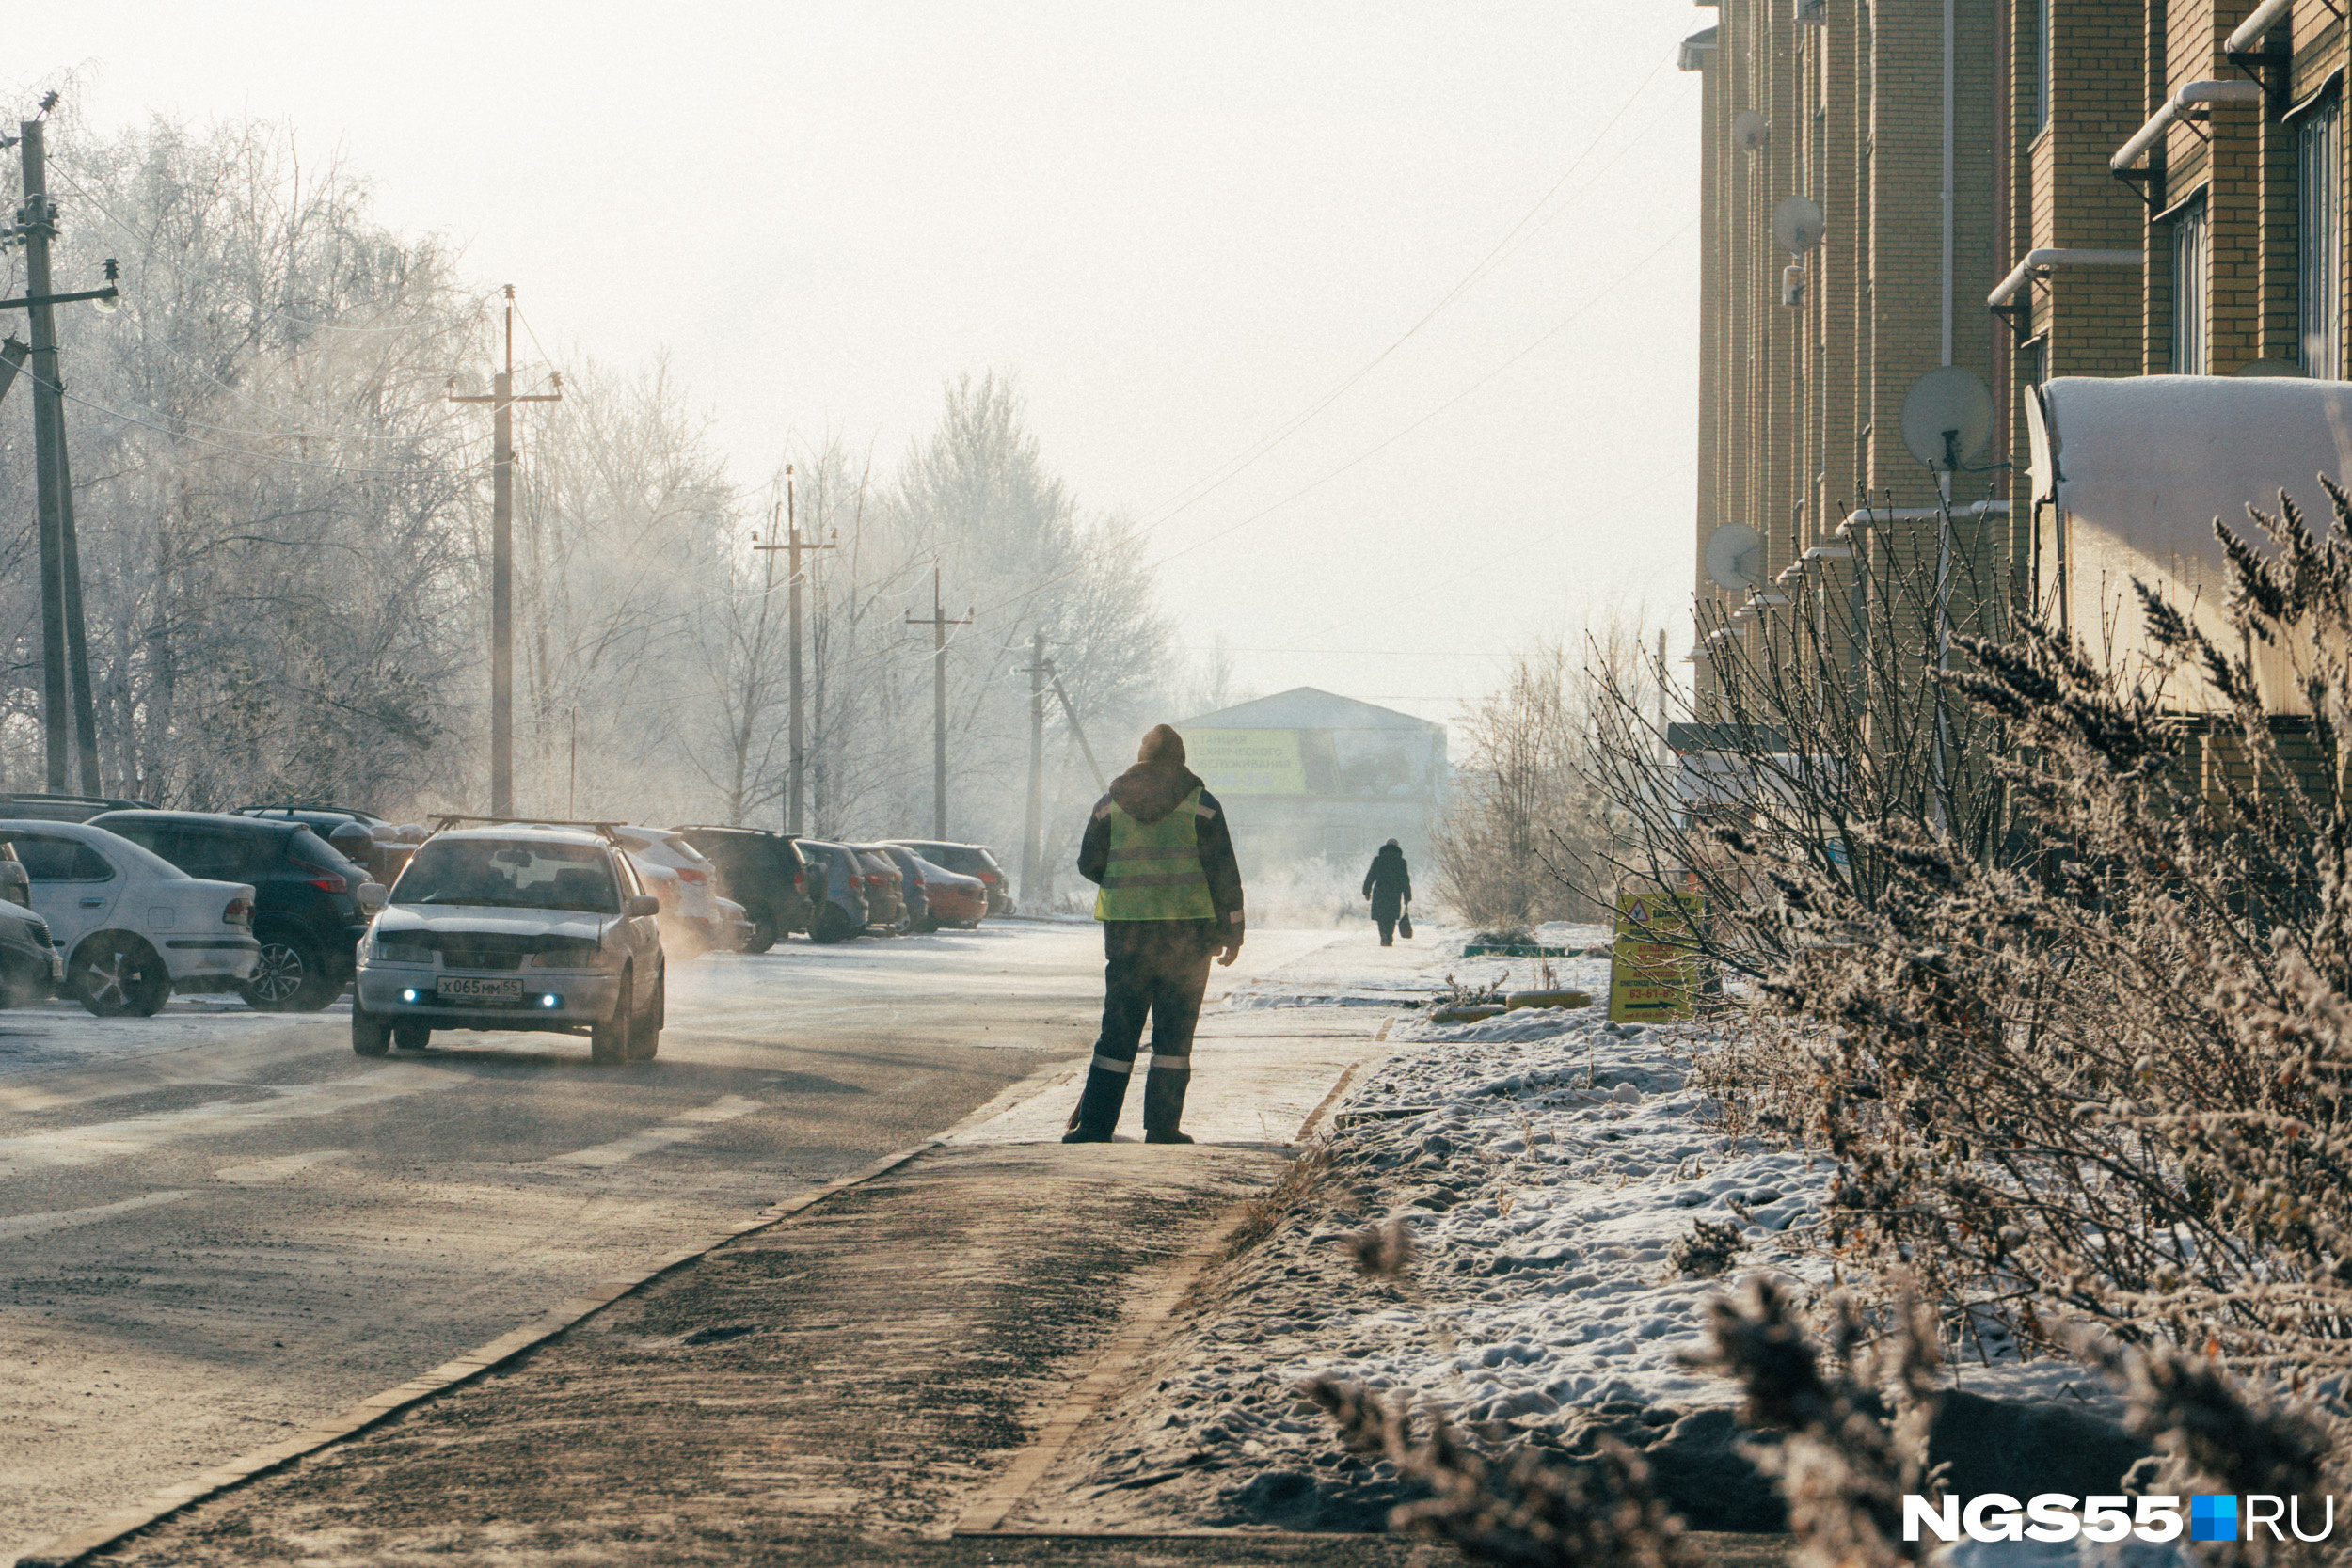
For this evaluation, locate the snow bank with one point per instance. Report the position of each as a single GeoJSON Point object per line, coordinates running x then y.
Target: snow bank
{"type": "Point", "coordinates": [1546, 1162]}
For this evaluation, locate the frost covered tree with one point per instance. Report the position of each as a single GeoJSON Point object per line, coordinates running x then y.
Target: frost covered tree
{"type": "Point", "coordinates": [269, 495]}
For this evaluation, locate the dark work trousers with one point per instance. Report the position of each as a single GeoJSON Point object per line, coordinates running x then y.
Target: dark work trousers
{"type": "Point", "coordinates": [1159, 969]}
{"type": "Point", "coordinates": [1388, 931]}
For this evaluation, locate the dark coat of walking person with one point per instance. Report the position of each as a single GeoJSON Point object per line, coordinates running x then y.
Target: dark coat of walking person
{"type": "Point", "coordinates": [1389, 886]}
{"type": "Point", "coordinates": [1159, 847]}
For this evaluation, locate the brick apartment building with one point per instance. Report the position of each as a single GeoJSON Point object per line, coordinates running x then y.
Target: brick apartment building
{"type": "Point", "coordinates": [2029, 189]}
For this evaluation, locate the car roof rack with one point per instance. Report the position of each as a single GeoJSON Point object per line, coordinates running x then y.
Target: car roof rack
{"type": "Point", "coordinates": [443, 821]}
{"type": "Point", "coordinates": [303, 805]}
{"type": "Point", "coordinates": [114, 801]}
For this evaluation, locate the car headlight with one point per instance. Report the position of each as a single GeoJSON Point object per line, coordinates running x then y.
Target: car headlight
{"type": "Point", "coordinates": [572, 955]}
{"type": "Point", "coordinates": [398, 952]}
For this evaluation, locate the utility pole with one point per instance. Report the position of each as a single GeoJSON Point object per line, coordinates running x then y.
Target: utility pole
{"type": "Point", "coordinates": [1069, 711]}
{"type": "Point", "coordinates": [501, 401]}
{"type": "Point", "coordinates": [67, 704]}
{"type": "Point", "coordinates": [939, 622]}
{"type": "Point", "coordinates": [792, 587]}
{"type": "Point", "coordinates": [1033, 826]}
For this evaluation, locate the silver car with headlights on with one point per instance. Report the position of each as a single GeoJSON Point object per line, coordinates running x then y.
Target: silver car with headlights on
{"type": "Point", "coordinates": [513, 926]}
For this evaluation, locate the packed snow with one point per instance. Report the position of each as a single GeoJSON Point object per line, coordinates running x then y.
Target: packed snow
{"type": "Point", "coordinates": [1546, 1162]}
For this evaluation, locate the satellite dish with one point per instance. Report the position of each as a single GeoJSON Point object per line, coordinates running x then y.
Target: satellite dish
{"type": "Point", "coordinates": [1798, 224]}
{"type": "Point", "coordinates": [1948, 415]}
{"type": "Point", "coordinates": [1735, 557]}
{"type": "Point", "coordinates": [1748, 130]}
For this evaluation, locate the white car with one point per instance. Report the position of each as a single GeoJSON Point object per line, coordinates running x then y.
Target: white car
{"type": "Point", "coordinates": [514, 928]}
{"type": "Point", "coordinates": [683, 879]}
{"type": "Point", "coordinates": [133, 927]}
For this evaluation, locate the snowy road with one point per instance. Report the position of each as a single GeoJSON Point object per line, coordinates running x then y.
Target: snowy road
{"type": "Point", "coordinates": [219, 1226]}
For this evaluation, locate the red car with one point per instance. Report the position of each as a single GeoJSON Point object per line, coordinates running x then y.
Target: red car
{"type": "Point", "coordinates": [954, 899]}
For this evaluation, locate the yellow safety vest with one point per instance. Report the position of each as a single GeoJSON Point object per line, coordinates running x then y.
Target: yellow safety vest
{"type": "Point", "coordinates": [1153, 870]}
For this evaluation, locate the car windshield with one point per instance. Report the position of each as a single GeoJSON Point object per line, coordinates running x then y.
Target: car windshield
{"type": "Point", "coordinates": [510, 876]}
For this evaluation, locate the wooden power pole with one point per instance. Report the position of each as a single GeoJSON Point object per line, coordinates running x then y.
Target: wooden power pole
{"type": "Point", "coordinates": [69, 709]}
{"type": "Point", "coordinates": [501, 401]}
{"type": "Point", "coordinates": [1033, 825]}
{"type": "Point", "coordinates": [939, 622]}
{"type": "Point", "coordinates": [794, 542]}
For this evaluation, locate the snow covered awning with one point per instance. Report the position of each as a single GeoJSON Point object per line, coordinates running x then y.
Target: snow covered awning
{"type": "Point", "coordinates": [2138, 468]}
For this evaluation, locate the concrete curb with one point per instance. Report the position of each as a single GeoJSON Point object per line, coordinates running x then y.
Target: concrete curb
{"type": "Point", "coordinates": [65, 1550]}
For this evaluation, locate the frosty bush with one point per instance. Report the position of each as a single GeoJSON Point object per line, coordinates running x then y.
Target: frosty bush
{"type": "Point", "coordinates": [2105, 1077]}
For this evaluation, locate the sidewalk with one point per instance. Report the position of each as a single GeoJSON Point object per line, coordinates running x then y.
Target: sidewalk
{"type": "Point", "coordinates": [842, 1386]}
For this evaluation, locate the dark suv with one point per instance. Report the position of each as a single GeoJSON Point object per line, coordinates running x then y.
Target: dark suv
{"type": "Point", "coordinates": [363, 838]}
{"type": "Point", "coordinates": [306, 908]}
{"type": "Point", "coordinates": [763, 872]}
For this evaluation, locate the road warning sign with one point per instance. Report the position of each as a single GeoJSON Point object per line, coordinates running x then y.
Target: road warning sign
{"type": "Point", "coordinates": [1653, 973]}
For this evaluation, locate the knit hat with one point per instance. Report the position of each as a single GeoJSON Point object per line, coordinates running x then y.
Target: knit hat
{"type": "Point", "coordinates": [1162, 745]}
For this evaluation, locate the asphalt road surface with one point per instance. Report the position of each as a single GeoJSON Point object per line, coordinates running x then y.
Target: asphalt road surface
{"type": "Point", "coordinates": [219, 1226]}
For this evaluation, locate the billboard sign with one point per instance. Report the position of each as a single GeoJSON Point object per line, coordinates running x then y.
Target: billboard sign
{"type": "Point", "coordinates": [1247, 762]}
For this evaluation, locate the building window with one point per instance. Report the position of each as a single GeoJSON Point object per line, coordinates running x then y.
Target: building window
{"type": "Point", "coordinates": [2190, 258]}
{"type": "Point", "coordinates": [2040, 66]}
{"type": "Point", "coordinates": [2319, 260]}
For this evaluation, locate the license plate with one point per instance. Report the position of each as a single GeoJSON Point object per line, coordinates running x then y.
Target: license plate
{"type": "Point", "coordinates": [453, 988]}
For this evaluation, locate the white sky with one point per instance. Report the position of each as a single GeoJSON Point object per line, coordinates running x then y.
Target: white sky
{"type": "Point", "coordinates": [1181, 227]}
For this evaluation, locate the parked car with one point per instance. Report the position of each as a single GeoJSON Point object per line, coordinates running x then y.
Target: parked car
{"type": "Point", "coordinates": [368, 841]}
{"type": "Point", "coordinates": [31, 968]}
{"type": "Point", "coordinates": [971, 860]}
{"type": "Point", "coordinates": [885, 902]}
{"type": "Point", "coordinates": [911, 886]}
{"type": "Point", "coordinates": [518, 928]}
{"type": "Point", "coordinates": [763, 871]}
{"type": "Point", "coordinates": [735, 926]}
{"type": "Point", "coordinates": [690, 903]}
{"type": "Point", "coordinates": [131, 927]}
{"type": "Point", "coordinates": [950, 897]}
{"type": "Point", "coordinates": [837, 880]}
{"type": "Point", "coordinates": [63, 808]}
{"type": "Point", "coordinates": [306, 904]}
{"type": "Point", "coordinates": [15, 887]}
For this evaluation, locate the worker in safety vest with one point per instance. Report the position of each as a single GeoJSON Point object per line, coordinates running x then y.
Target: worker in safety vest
{"type": "Point", "coordinates": [1159, 847]}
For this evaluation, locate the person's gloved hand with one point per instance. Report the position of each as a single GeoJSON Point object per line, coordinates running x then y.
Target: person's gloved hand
{"type": "Point", "coordinates": [1227, 954]}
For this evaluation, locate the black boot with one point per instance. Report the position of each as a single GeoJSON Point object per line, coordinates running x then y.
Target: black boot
{"type": "Point", "coordinates": [1098, 1107]}
{"type": "Point", "coordinates": [1164, 1102]}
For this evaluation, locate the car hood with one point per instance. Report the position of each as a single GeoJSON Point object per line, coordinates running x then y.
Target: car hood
{"type": "Point", "coordinates": [400, 920]}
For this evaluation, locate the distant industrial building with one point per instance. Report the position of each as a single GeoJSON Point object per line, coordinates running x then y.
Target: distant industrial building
{"type": "Point", "coordinates": [1309, 774]}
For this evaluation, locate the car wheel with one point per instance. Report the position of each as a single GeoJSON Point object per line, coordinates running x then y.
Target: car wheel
{"type": "Point", "coordinates": [371, 1036]}
{"type": "Point", "coordinates": [289, 977]}
{"type": "Point", "coordinates": [763, 935]}
{"type": "Point", "coordinates": [411, 1037]}
{"type": "Point", "coordinates": [608, 1039]}
{"type": "Point", "coordinates": [114, 975]}
{"type": "Point", "coordinates": [645, 1035]}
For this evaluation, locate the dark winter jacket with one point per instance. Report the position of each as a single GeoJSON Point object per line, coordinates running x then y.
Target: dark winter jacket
{"type": "Point", "coordinates": [1147, 792]}
{"type": "Point", "coordinates": [1389, 884]}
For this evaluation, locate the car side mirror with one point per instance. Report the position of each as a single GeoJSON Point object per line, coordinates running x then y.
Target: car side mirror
{"type": "Point", "coordinates": [371, 897]}
{"type": "Point", "coordinates": [641, 904]}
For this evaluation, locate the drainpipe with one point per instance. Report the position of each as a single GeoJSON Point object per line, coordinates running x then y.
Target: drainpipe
{"type": "Point", "coordinates": [1951, 42]}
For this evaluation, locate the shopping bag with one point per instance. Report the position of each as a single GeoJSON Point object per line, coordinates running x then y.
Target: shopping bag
{"type": "Point", "coordinates": [1404, 924]}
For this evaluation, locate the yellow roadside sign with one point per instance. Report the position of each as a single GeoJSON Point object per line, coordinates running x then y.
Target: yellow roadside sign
{"type": "Point", "coordinates": [1653, 974]}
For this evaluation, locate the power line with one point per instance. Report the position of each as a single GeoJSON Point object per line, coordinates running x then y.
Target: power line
{"type": "Point", "coordinates": [223, 445]}
{"type": "Point", "coordinates": [1370, 451]}
{"type": "Point", "coordinates": [131, 233]}
{"type": "Point", "coordinates": [1236, 466]}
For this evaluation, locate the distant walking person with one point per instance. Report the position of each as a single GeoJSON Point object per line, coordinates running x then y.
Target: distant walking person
{"type": "Point", "coordinates": [1389, 886]}
{"type": "Point", "coordinates": [1159, 847]}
